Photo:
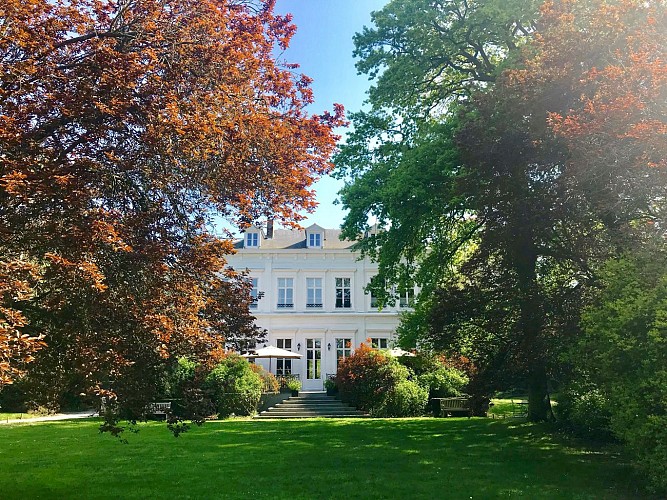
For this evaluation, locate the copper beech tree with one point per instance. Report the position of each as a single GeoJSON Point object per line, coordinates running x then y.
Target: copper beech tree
{"type": "Point", "coordinates": [127, 127]}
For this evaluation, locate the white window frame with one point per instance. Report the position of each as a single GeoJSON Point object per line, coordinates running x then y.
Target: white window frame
{"type": "Point", "coordinates": [252, 240]}
{"type": "Point", "coordinates": [315, 240]}
{"type": "Point", "coordinates": [284, 365]}
{"type": "Point", "coordinates": [406, 298]}
{"type": "Point", "coordinates": [313, 286]}
{"type": "Point", "coordinates": [343, 288]}
{"type": "Point", "coordinates": [344, 348]}
{"type": "Point", "coordinates": [254, 293]}
{"type": "Point", "coordinates": [285, 293]}
{"type": "Point", "coordinates": [380, 342]}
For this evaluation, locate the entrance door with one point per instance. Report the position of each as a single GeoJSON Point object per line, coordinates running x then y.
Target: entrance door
{"type": "Point", "coordinates": [313, 380]}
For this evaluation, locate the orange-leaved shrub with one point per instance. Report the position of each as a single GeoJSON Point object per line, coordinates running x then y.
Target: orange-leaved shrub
{"type": "Point", "coordinates": [268, 379]}
{"type": "Point", "coordinates": [376, 382]}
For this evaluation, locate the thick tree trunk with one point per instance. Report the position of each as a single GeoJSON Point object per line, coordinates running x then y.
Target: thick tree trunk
{"type": "Point", "coordinates": [531, 324]}
{"type": "Point", "coordinates": [539, 405]}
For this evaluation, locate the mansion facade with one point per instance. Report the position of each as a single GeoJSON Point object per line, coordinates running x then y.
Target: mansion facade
{"type": "Point", "coordinates": [309, 295]}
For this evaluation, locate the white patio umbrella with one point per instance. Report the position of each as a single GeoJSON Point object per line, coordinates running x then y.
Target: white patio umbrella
{"type": "Point", "coordinates": [398, 352]}
{"type": "Point", "coordinates": [271, 352]}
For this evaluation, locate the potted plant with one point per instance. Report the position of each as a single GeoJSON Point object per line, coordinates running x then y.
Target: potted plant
{"type": "Point", "coordinates": [330, 386]}
{"type": "Point", "coordinates": [294, 385]}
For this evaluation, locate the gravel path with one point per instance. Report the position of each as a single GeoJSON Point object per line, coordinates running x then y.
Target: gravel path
{"type": "Point", "coordinates": [50, 418]}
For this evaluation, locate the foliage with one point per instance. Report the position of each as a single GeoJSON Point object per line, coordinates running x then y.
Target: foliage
{"type": "Point", "coordinates": [329, 384]}
{"type": "Point", "coordinates": [406, 399]}
{"type": "Point", "coordinates": [234, 387]}
{"type": "Point", "coordinates": [585, 410]}
{"type": "Point", "coordinates": [624, 354]}
{"type": "Point", "coordinates": [293, 384]}
{"type": "Point", "coordinates": [443, 382]}
{"type": "Point", "coordinates": [127, 131]}
{"type": "Point", "coordinates": [13, 397]}
{"type": "Point", "coordinates": [442, 376]}
{"type": "Point", "coordinates": [368, 380]}
{"type": "Point", "coordinates": [16, 348]}
{"type": "Point", "coordinates": [490, 195]}
{"type": "Point", "coordinates": [269, 381]}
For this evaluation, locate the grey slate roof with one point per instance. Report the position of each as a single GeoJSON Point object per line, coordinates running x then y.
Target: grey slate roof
{"type": "Point", "coordinates": [286, 239]}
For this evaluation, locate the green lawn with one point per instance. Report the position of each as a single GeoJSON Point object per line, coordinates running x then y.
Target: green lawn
{"type": "Point", "coordinates": [393, 458]}
{"type": "Point", "coordinates": [14, 416]}
{"type": "Point", "coordinates": [505, 407]}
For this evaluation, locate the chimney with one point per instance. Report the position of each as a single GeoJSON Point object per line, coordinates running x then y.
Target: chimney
{"type": "Point", "coordinates": [269, 229]}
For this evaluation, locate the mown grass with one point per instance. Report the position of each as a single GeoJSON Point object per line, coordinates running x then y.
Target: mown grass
{"type": "Point", "coordinates": [319, 458]}
{"type": "Point", "coordinates": [4, 416]}
{"type": "Point", "coordinates": [505, 407]}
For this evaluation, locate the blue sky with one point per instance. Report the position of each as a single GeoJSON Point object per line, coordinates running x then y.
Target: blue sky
{"type": "Point", "coordinates": [323, 47]}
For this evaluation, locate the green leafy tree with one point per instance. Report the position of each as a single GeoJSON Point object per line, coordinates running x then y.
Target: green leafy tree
{"type": "Point", "coordinates": [484, 201]}
{"type": "Point", "coordinates": [623, 353]}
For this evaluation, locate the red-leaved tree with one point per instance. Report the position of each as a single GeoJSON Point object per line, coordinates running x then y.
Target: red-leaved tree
{"type": "Point", "coordinates": [127, 129]}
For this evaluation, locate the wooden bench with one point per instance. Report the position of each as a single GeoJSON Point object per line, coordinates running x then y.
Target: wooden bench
{"type": "Point", "coordinates": [159, 408]}
{"type": "Point", "coordinates": [450, 406]}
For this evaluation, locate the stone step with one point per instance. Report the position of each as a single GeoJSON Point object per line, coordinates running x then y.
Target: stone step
{"type": "Point", "coordinates": [311, 410]}
{"type": "Point", "coordinates": [311, 414]}
{"type": "Point", "coordinates": [311, 405]}
{"type": "Point", "coordinates": [288, 417]}
{"type": "Point", "coordinates": [323, 404]}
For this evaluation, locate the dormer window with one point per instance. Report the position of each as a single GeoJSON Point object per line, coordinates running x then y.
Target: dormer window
{"type": "Point", "coordinates": [315, 240]}
{"type": "Point", "coordinates": [252, 240]}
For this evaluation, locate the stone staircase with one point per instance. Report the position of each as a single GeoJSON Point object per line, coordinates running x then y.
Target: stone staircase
{"type": "Point", "coordinates": [311, 405]}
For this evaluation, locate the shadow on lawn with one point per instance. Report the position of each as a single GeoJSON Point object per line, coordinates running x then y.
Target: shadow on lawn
{"type": "Point", "coordinates": [455, 457]}
{"type": "Point", "coordinates": [356, 458]}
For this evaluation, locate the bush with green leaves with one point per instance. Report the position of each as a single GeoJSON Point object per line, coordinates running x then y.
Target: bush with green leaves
{"type": "Point", "coordinates": [373, 381]}
{"type": "Point", "coordinates": [584, 409]}
{"type": "Point", "coordinates": [406, 399]}
{"type": "Point", "coordinates": [182, 374]}
{"type": "Point", "coordinates": [443, 382]}
{"type": "Point", "coordinates": [234, 387]}
{"type": "Point", "coordinates": [623, 353]}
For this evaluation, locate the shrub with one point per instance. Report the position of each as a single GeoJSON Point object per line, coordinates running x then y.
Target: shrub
{"type": "Point", "coordinates": [182, 374]}
{"type": "Point", "coordinates": [649, 441]}
{"type": "Point", "coordinates": [13, 397]}
{"type": "Point", "coordinates": [234, 387]}
{"type": "Point", "coordinates": [293, 384]}
{"type": "Point", "coordinates": [623, 355]}
{"type": "Point", "coordinates": [365, 378]}
{"type": "Point", "coordinates": [443, 382]}
{"type": "Point", "coordinates": [406, 399]}
{"type": "Point", "coordinates": [584, 410]}
{"type": "Point", "coordinates": [269, 380]}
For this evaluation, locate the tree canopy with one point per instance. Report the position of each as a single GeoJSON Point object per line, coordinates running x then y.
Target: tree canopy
{"type": "Point", "coordinates": [127, 129]}
{"type": "Point", "coordinates": [506, 177]}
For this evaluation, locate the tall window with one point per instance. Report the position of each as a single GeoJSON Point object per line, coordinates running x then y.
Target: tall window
{"type": "Point", "coordinates": [379, 343]}
{"type": "Point", "coordinates": [254, 293]}
{"type": "Point", "coordinates": [374, 300]}
{"type": "Point", "coordinates": [343, 349]}
{"type": "Point", "coordinates": [314, 292]}
{"type": "Point", "coordinates": [284, 365]}
{"type": "Point", "coordinates": [313, 359]}
{"type": "Point", "coordinates": [315, 240]}
{"type": "Point", "coordinates": [252, 239]}
{"type": "Point", "coordinates": [407, 297]}
{"type": "Point", "coordinates": [343, 293]}
{"type": "Point", "coordinates": [285, 293]}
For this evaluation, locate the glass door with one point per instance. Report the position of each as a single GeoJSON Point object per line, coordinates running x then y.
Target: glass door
{"type": "Point", "coordinates": [313, 364]}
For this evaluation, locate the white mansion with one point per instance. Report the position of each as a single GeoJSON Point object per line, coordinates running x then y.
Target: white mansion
{"type": "Point", "coordinates": [311, 301]}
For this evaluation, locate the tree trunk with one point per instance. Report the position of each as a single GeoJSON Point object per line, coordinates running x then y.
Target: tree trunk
{"type": "Point", "coordinates": [532, 320]}
{"type": "Point", "coordinates": [539, 405]}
